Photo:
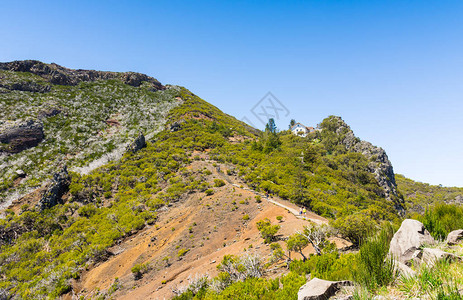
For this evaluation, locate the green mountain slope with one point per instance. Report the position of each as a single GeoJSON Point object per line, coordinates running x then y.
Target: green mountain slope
{"type": "Point", "coordinates": [87, 118]}
{"type": "Point", "coordinates": [331, 172]}
{"type": "Point", "coordinates": [418, 196]}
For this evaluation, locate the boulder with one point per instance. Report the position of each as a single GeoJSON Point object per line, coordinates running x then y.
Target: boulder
{"type": "Point", "coordinates": [403, 269]}
{"type": "Point", "coordinates": [137, 144]}
{"type": "Point", "coordinates": [20, 135]}
{"type": "Point", "coordinates": [431, 256]}
{"type": "Point", "coordinates": [59, 185]}
{"type": "Point", "coordinates": [318, 289]}
{"type": "Point", "coordinates": [454, 237]}
{"type": "Point", "coordinates": [409, 239]}
{"type": "Point", "coordinates": [21, 173]}
{"type": "Point", "coordinates": [48, 112]}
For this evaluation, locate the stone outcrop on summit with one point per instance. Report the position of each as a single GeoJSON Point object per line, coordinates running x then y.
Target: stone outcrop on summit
{"type": "Point", "coordinates": [57, 74]}
{"type": "Point", "coordinates": [380, 165]}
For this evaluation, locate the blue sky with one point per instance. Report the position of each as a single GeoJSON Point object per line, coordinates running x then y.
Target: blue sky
{"type": "Point", "coordinates": [393, 70]}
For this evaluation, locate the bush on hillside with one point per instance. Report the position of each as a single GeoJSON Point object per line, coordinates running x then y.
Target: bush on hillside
{"type": "Point", "coordinates": [355, 228]}
{"type": "Point", "coordinates": [374, 268]}
{"type": "Point", "coordinates": [441, 219]}
{"type": "Point", "coordinates": [267, 230]}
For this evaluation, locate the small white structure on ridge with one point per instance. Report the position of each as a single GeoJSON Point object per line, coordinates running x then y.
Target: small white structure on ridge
{"type": "Point", "coordinates": [301, 130]}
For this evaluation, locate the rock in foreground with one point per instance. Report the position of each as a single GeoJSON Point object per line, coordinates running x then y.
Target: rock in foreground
{"type": "Point", "coordinates": [408, 240]}
{"type": "Point", "coordinates": [318, 289]}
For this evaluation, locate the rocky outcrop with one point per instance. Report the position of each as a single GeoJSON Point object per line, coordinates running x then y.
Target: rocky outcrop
{"type": "Point", "coordinates": [318, 289]}
{"type": "Point", "coordinates": [407, 242]}
{"type": "Point", "coordinates": [21, 135]}
{"type": "Point", "coordinates": [27, 86]}
{"type": "Point", "coordinates": [48, 112]}
{"type": "Point", "coordinates": [454, 237]}
{"type": "Point", "coordinates": [138, 144]}
{"type": "Point", "coordinates": [175, 127]}
{"type": "Point", "coordinates": [58, 187]}
{"type": "Point", "coordinates": [57, 74]}
{"type": "Point", "coordinates": [379, 164]}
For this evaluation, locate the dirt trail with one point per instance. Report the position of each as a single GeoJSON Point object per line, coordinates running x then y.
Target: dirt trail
{"type": "Point", "coordinates": [294, 209]}
{"type": "Point", "coordinates": [209, 227]}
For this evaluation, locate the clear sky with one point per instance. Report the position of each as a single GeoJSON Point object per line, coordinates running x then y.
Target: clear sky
{"type": "Point", "coordinates": [393, 70]}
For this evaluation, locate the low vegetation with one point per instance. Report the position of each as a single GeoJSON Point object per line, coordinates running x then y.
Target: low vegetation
{"type": "Point", "coordinates": [40, 251]}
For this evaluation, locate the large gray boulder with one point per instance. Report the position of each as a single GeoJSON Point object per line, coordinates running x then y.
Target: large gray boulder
{"type": "Point", "coordinates": [431, 255]}
{"type": "Point", "coordinates": [454, 237]}
{"type": "Point", "coordinates": [319, 289]}
{"type": "Point", "coordinates": [408, 240]}
{"type": "Point", "coordinates": [20, 135]}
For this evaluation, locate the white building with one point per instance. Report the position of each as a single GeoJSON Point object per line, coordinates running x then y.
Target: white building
{"type": "Point", "coordinates": [301, 130]}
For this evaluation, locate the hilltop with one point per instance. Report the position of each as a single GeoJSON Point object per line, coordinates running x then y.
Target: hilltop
{"type": "Point", "coordinates": [119, 186]}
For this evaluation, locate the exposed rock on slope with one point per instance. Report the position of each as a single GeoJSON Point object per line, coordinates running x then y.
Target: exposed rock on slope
{"type": "Point", "coordinates": [138, 144]}
{"type": "Point", "coordinates": [57, 74]}
{"type": "Point", "coordinates": [56, 190]}
{"type": "Point", "coordinates": [19, 136]}
{"type": "Point", "coordinates": [71, 109]}
{"type": "Point", "coordinates": [380, 165]}
{"type": "Point", "coordinates": [454, 237]}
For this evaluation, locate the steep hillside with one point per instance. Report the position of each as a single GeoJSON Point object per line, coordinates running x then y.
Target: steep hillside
{"type": "Point", "coordinates": [50, 115]}
{"type": "Point", "coordinates": [418, 195]}
{"type": "Point", "coordinates": [128, 212]}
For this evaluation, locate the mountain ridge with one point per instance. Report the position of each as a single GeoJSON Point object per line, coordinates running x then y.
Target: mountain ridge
{"type": "Point", "coordinates": [172, 189]}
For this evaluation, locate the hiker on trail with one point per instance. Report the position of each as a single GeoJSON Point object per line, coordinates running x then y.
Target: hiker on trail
{"type": "Point", "coordinates": [266, 194]}
{"type": "Point", "coordinates": [300, 211]}
{"type": "Point", "coordinates": [304, 211]}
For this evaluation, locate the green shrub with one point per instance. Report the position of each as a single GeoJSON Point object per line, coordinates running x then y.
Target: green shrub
{"type": "Point", "coordinates": [267, 230]}
{"type": "Point", "coordinates": [138, 270]}
{"type": "Point", "coordinates": [209, 192]}
{"type": "Point", "coordinates": [182, 252]}
{"type": "Point", "coordinates": [219, 183]}
{"type": "Point", "coordinates": [441, 219]}
{"type": "Point", "coordinates": [374, 267]}
{"type": "Point", "coordinates": [355, 227]}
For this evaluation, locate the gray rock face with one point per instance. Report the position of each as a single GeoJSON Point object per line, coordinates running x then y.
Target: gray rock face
{"type": "Point", "coordinates": [318, 289]}
{"type": "Point", "coordinates": [408, 240]}
{"type": "Point", "coordinates": [175, 127]}
{"type": "Point", "coordinates": [57, 74]}
{"type": "Point", "coordinates": [57, 188]}
{"type": "Point", "coordinates": [403, 269]}
{"type": "Point", "coordinates": [431, 256]}
{"type": "Point", "coordinates": [137, 144]}
{"type": "Point", "coordinates": [454, 237]}
{"type": "Point", "coordinates": [49, 112]}
{"type": "Point", "coordinates": [380, 165]}
{"type": "Point", "coordinates": [19, 136]}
